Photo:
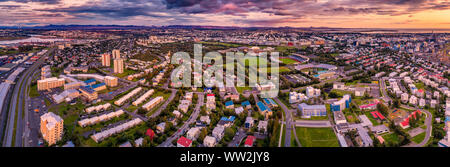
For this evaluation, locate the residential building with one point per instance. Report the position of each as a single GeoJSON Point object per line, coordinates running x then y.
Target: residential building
{"type": "Point", "coordinates": [264, 110]}
{"type": "Point", "coordinates": [111, 81]}
{"type": "Point", "coordinates": [262, 126]}
{"type": "Point", "coordinates": [106, 59]}
{"type": "Point", "coordinates": [52, 127]}
{"type": "Point", "coordinates": [209, 141]}
{"type": "Point", "coordinates": [413, 100]}
{"type": "Point", "coordinates": [50, 83]}
{"type": "Point", "coordinates": [193, 133]}
{"type": "Point", "coordinates": [116, 54]}
{"type": "Point", "coordinates": [218, 132]}
{"type": "Point", "coordinates": [422, 102]}
{"type": "Point", "coordinates": [404, 97]}
{"type": "Point", "coordinates": [249, 141]}
{"type": "Point", "coordinates": [249, 122]}
{"type": "Point", "coordinates": [118, 66]}
{"type": "Point", "coordinates": [312, 92]}
{"type": "Point", "coordinates": [184, 142]}
{"type": "Point", "coordinates": [152, 103]}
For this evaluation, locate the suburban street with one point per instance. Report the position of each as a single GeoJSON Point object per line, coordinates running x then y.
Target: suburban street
{"type": "Point", "coordinates": [186, 124]}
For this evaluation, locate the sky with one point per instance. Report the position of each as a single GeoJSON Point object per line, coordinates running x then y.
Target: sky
{"type": "Point", "coordinates": [245, 13]}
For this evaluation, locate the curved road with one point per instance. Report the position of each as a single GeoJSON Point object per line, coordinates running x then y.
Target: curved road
{"type": "Point", "coordinates": [428, 120]}
{"type": "Point", "coordinates": [186, 124]}
{"type": "Point", "coordinates": [428, 123]}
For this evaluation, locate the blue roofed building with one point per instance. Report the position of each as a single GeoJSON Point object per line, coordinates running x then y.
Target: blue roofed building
{"type": "Point", "coordinates": [341, 104]}
{"type": "Point", "coordinates": [226, 121]}
{"type": "Point", "coordinates": [229, 104]}
{"type": "Point", "coordinates": [99, 87]}
{"type": "Point", "coordinates": [309, 111]}
{"type": "Point", "coordinates": [90, 81]}
{"type": "Point", "coordinates": [270, 102]}
{"type": "Point", "coordinates": [246, 104]}
{"type": "Point", "coordinates": [264, 110]}
{"type": "Point", "coordinates": [89, 93]}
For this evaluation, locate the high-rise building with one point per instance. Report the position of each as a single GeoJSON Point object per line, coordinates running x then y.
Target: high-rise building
{"type": "Point", "coordinates": [111, 81]}
{"type": "Point", "coordinates": [106, 60]}
{"type": "Point", "coordinates": [51, 127]}
{"type": "Point", "coordinates": [116, 54]}
{"type": "Point", "coordinates": [118, 66]}
{"type": "Point", "coordinates": [50, 83]}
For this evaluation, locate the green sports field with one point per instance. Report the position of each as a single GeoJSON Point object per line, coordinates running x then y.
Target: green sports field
{"type": "Point", "coordinates": [317, 137]}
{"type": "Point", "coordinates": [288, 61]}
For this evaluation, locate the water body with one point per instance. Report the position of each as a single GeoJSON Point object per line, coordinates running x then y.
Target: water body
{"type": "Point", "coordinates": [33, 38]}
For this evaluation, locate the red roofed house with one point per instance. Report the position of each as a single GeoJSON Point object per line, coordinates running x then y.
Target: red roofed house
{"type": "Point", "coordinates": [405, 123]}
{"type": "Point", "coordinates": [249, 141]}
{"type": "Point", "coordinates": [184, 142]}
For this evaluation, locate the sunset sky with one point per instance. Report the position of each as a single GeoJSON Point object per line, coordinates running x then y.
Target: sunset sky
{"type": "Point", "coordinates": [274, 13]}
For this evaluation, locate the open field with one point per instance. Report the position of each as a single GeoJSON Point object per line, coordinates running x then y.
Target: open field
{"type": "Point", "coordinates": [317, 137]}
{"type": "Point", "coordinates": [419, 138]}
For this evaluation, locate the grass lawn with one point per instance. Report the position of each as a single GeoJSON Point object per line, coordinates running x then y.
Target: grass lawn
{"type": "Point", "coordinates": [351, 117]}
{"type": "Point", "coordinates": [351, 83]}
{"type": "Point", "coordinates": [391, 137]}
{"type": "Point", "coordinates": [125, 73]}
{"type": "Point", "coordinates": [341, 92]}
{"type": "Point", "coordinates": [33, 92]}
{"type": "Point", "coordinates": [317, 137]}
{"type": "Point", "coordinates": [288, 61]}
{"type": "Point", "coordinates": [131, 108]}
{"type": "Point", "coordinates": [419, 138]}
{"type": "Point", "coordinates": [420, 85]}
{"type": "Point", "coordinates": [373, 120]}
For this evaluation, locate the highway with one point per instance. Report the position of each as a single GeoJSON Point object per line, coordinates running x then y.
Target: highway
{"type": "Point", "coordinates": [186, 124]}
{"type": "Point", "coordinates": [17, 102]}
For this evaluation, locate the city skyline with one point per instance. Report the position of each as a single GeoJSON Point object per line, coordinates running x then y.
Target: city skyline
{"type": "Point", "coordinates": [266, 13]}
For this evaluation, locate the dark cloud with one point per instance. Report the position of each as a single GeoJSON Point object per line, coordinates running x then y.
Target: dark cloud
{"type": "Point", "coordinates": [289, 11]}
{"type": "Point", "coordinates": [38, 1]}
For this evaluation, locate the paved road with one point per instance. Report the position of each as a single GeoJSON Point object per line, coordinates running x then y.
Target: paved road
{"type": "Point", "coordinates": [237, 139]}
{"type": "Point", "coordinates": [160, 109]}
{"type": "Point", "coordinates": [288, 121]}
{"type": "Point", "coordinates": [428, 123]}
{"type": "Point", "coordinates": [186, 124]}
{"type": "Point", "coordinates": [313, 123]}
{"type": "Point", "coordinates": [19, 93]}
{"type": "Point", "coordinates": [385, 96]}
